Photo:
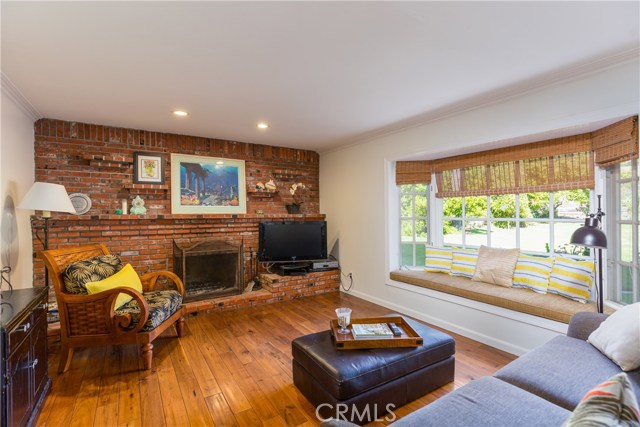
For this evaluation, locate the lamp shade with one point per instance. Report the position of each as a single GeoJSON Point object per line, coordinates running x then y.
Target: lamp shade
{"type": "Point", "coordinates": [47, 197]}
{"type": "Point", "coordinates": [589, 235]}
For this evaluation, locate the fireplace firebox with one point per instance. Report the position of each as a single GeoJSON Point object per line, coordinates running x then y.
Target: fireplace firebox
{"type": "Point", "coordinates": [208, 268]}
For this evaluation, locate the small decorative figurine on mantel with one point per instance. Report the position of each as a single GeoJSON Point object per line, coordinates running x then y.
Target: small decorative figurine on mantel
{"type": "Point", "coordinates": [294, 208]}
{"type": "Point", "coordinates": [137, 206]}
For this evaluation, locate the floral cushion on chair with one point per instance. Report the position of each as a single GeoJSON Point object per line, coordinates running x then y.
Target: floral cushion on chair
{"type": "Point", "coordinates": [162, 304]}
{"type": "Point", "coordinates": [94, 269]}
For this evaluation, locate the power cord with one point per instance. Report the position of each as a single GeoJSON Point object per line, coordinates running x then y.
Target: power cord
{"type": "Point", "coordinates": [350, 276]}
{"type": "Point", "coordinates": [6, 270]}
{"type": "Point", "coordinates": [267, 266]}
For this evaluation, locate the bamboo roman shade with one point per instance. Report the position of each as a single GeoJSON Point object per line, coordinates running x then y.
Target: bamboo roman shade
{"type": "Point", "coordinates": [566, 163]}
{"type": "Point", "coordinates": [414, 172]}
{"type": "Point", "coordinates": [558, 164]}
{"type": "Point", "coordinates": [616, 143]}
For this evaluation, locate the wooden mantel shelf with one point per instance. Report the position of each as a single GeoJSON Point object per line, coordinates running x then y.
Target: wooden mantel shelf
{"type": "Point", "coordinates": [107, 158]}
{"type": "Point", "coordinates": [263, 194]}
{"type": "Point", "coordinates": [107, 161]}
{"type": "Point", "coordinates": [113, 217]}
{"type": "Point", "coordinates": [160, 187]}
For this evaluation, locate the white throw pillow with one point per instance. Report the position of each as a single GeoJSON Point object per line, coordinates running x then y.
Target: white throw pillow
{"type": "Point", "coordinates": [618, 337]}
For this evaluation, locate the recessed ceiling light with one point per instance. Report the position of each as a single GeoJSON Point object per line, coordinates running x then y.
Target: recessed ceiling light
{"type": "Point", "coordinates": [263, 125]}
{"type": "Point", "coordinates": [180, 113]}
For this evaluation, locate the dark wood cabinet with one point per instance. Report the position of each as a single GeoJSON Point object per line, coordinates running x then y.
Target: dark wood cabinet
{"type": "Point", "coordinates": [25, 378]}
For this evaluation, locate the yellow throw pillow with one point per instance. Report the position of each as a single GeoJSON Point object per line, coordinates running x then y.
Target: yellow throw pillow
{"type": "Point", "coordinates": [126, 277]}
{"type": "Point", "coordinates": [464, 262]}
{"type": "Point", "coordinates": [571, 279]}
{"type": "Point", "coordinates": [437, 260]}
{"type": "Point", "coordinates": [532, 272]}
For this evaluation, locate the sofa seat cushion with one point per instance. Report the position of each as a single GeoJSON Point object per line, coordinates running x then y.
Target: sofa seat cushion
{"type": "Point", "coordinates": [347, 373]}
{"type": "Point", "coordinates": [487, 402]}
{"type": "Point", "coordinates": [162, 304]}
{"type": "Point", "coordinates": [552, 307]}
{"type": "Point", "coordinates": [562, 371]}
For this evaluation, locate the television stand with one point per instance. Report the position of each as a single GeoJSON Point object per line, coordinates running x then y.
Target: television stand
{"type": "Point", "coordinates": [296, 269]}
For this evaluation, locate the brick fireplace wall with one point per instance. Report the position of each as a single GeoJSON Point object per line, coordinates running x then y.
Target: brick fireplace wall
{"type": "Point", "coordinates": [98, 161]}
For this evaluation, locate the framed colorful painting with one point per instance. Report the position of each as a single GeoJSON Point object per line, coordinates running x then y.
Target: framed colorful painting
{"type": "Point", "coordinates": [207, 185]}
{"type": "Point", "coordinates": [148, 168]}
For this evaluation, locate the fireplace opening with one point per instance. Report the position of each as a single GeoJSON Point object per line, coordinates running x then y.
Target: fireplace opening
{"type": "Point", "coordinates": [208, 268]}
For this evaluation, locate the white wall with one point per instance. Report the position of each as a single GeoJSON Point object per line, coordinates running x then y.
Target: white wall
{"type": "Point", "coordinates": [355, 183]}
{"type": "Point", "coordinates": [16, 177]}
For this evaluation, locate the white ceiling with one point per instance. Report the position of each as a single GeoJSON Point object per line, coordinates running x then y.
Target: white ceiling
{"type": "Point", "coordinates": [321, 73]}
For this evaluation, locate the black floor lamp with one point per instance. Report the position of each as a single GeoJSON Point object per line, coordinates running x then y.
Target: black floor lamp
{"type": "Point", "coordinates": [591, 236]}
{"type": "Point", "coordinates": [46, 197]}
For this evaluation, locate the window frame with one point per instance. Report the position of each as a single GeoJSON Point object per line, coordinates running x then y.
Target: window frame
{"type": "Point", "coordinates": [614, 293]}
{"type": "Point", "coordinates": [413, 218]}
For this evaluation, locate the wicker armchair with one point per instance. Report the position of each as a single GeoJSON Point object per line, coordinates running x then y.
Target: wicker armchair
{"type": "Point", "coordinates": [90, 320]}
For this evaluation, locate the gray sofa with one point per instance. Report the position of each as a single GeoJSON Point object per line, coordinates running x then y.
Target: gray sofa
{"type": "Point", "coordinates": [541, 388]}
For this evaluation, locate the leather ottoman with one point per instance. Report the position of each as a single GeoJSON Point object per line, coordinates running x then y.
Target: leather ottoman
{"type": "Point", "coordinates": [363, 385]}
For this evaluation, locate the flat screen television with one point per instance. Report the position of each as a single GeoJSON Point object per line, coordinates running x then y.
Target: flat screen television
{"type": "Point", "coordinates": [292, 241]}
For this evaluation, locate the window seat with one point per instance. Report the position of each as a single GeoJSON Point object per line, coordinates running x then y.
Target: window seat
{"type": "Point", "coordinates": [549, 306]}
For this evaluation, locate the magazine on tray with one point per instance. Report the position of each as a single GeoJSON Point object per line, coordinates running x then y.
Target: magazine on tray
{"type": "Point", "coordinates": [371, 330]}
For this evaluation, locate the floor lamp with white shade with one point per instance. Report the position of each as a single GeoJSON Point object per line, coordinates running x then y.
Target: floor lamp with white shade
{"type": "Point", "coordinates": [46, 197]}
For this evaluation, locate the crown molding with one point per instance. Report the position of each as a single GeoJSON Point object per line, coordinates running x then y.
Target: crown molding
{"type": "Point", "coordinates": [543, 81]}
{"type": "Point", "coordinates": [12, 91]}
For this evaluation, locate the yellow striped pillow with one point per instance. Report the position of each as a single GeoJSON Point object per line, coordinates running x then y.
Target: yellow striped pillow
{"type": "Point", "coordinates": [532, 272]}
{"type": "Point", "coordinates": [437, 260]}
{"type": "Point", "coordinates": [464, 262]}
{"type": "Point", "coordinates": [571, 279]}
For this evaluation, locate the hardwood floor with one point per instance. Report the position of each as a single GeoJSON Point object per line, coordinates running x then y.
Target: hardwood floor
{"type": "Point", "coordinates": [230, 369]}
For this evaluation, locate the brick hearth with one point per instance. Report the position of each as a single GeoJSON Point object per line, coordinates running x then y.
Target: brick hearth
{"type": "Point", "coordinates": [274, 288]}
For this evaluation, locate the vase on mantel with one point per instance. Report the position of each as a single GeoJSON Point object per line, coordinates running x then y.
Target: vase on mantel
{"type": "Point", "coordinates": [293, 208]}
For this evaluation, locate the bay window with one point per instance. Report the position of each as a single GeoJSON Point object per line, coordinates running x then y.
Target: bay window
{"type": "Point", "coordinates": [530, 196]}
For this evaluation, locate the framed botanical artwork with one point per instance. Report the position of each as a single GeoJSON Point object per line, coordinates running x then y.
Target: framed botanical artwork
{"type": "Point", "coordinates": [148, 168]}
{"type": "Point", "coordinates": [201, 185]}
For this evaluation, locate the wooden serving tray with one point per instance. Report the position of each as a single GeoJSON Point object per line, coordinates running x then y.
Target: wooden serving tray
{"type": "Point", "coordinates": [409, 337]}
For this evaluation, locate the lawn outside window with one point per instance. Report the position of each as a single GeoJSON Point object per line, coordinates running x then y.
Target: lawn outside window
{"type": "Point", "coordinates": [537, 223]}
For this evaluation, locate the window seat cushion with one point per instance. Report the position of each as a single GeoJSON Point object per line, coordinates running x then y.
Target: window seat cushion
{"type": "Point", "coordinates": [549, 306]}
